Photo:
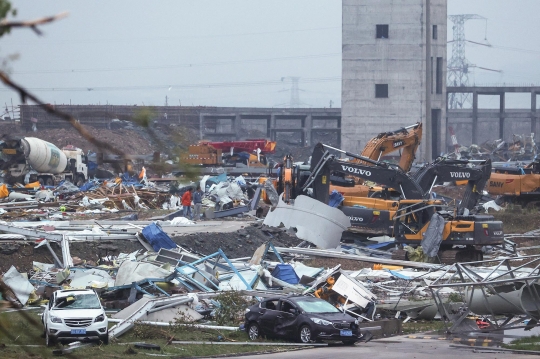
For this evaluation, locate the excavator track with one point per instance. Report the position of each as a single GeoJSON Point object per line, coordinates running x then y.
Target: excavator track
{"type": "Point", "coordinates": [446, 256]}
{"type": "Point", "coordinates": [400, 255]}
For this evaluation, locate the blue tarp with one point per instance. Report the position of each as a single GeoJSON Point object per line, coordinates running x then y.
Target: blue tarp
{"type": "Point", "coordinates": [216, 179]}
{"type": "Point", "coordinates": [399, 275]}
{"type": "Point", "coordinates": [286, 273]}
{"type": "Point", "coordinates": [243, 155]}
{"type": "Point", "coordinates": [157, 238]}
{"type": "Point", "coordinates": [88, 186]}
{"type": "Point", "coordinates": [380, 245]}
{"type": "Point", "coordinates": [128, 180]}
{"type": "Point", "coordinates": [92, 166]}
{"type": "Point", "coordinates": [335, 199]}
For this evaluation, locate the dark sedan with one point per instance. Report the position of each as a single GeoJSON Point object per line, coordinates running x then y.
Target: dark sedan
{"type": "Point", "coordinates": [303, 318]}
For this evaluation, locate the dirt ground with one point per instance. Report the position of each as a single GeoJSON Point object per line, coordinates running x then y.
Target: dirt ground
{"type": "Point", "coordinates": [518, 221]}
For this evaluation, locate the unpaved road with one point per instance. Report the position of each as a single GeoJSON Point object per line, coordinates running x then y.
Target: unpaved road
{"type": "Point", "coordinates": [395, 347]}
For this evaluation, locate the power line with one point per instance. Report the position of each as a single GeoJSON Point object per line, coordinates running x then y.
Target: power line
{"type": "Point", "coordinates": [176, 38]}
{"type": "Point", "coordinates": [507, 48]}
{"type": "Point", "coordinates": [217, 63]}
{"type": "Point", "coordinates": [179, 86]}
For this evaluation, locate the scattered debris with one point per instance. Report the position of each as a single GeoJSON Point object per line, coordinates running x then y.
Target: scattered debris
{"type": "Point", "coordinates": [127, 239]}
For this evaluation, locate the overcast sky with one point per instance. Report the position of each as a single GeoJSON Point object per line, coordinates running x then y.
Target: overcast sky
{"type": "Point", "coordinates": [228, 52]}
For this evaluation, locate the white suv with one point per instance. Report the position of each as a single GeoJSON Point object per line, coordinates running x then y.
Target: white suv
{"type": "Point", "coordinates": [75, 314]}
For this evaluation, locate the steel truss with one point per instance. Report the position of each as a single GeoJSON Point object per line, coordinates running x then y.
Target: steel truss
{"type": "Point", "coordinates": [504, 292]}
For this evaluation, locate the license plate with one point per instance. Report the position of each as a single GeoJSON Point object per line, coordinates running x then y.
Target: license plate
{"type": "Point", "coordinates": [345, 333]}
{"type": "Point", "coordinates": [81, 331]}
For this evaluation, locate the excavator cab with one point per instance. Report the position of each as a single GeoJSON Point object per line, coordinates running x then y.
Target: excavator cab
{"type": "Point", "coordinates": [412, 218]}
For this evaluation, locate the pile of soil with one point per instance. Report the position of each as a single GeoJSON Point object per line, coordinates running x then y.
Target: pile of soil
{"type": "Point", "coordinates": [126, 140]}
{"type": "Point", "coordinates": [241, 243]}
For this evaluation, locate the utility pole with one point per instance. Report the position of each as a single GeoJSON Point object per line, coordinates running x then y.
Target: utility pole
{"type": "Point", "coordinates": [166, 100]}
{"type": "Point", "coordinates": [458, 66]}
{"type": "Point", "coordinates": [429, 135]}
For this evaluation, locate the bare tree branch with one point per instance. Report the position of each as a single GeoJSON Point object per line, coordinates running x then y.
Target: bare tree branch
{"type": "Point", "coordinates": [24, 94]}
{"type": "Point", "coordinates": [32, 24]}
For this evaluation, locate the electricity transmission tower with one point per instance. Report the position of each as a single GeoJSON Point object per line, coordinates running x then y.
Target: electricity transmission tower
{"type": "Point", "coordinates": [458, 66]}
{"type": "Point", "coordinates": [295, 91]}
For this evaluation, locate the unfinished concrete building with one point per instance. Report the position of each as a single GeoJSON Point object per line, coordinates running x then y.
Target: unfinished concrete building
{"type": "Point", "coordinates": [384, 70]}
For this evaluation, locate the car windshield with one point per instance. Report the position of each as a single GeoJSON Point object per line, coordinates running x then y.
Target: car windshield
{"type": "Point", "coordinates": [316, 306]}
{"type": "Point", "coordinates": [78, 301]}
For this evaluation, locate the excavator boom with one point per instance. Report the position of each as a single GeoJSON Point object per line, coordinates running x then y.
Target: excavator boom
{"type": "Point", "coordinates": [324, 166]}
{"type": "Point", "coordinates": [406, 139]}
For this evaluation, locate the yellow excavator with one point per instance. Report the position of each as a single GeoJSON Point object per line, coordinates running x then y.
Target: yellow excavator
{"type": "Point", "coordinates": [405, 140]}
{"type": "Point", "coordinates": [519, 185]}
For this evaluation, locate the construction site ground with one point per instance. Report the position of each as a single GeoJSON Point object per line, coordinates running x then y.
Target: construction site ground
{"type": "Point", "coordinates": [235, 243]}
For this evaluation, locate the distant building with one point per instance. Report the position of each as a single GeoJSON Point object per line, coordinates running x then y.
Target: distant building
{"type": "Point", "coordinates": [384, 69]}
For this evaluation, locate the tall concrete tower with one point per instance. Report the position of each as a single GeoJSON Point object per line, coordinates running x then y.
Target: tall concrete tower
{"type": "Point", "coordinates": [384, 77]}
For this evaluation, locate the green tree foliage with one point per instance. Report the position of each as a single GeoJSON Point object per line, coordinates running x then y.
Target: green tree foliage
{"type": "Point", "coordinates": [5, 10]}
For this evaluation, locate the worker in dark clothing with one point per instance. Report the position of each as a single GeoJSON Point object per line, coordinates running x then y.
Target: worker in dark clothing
{"type": "Point", "coordinates": [197, 203]}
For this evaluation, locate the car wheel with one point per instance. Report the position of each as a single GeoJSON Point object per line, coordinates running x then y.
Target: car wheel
{"type": "Point", "coordinates": [80, 180]}
{"type": "Point", "coordinates": [348, 342]}
{"type": "Point", "coordinates": [254, 332]}
{"type": "Point", "coordinates": [105, 339]}
{"type": "Point", "coordinates": [305, 334]}
{"type": "Point", "coordinates": [48, 340]}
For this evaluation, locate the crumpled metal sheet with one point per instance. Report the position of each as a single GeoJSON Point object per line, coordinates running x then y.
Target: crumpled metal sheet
{"type": "Point", "coordinates": [19, 285]}
{"type": "Point", "coordinates": [271, 192]}
{"type": "Point", "coordinates": [130, 272]}
{"type": "Point", "coordinates": [312, 220]}
{"type": "Point", "coordinates": [433, 236]}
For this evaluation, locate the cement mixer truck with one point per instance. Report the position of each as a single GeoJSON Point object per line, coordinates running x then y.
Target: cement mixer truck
{"type": "Point", "coordinates": [31, 159]}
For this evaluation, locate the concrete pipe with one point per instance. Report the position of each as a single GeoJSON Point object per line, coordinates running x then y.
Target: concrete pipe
{"type": "Point", "coordinates": [515, 298]}
{"type": "Point", "coordinates": [44, 157]}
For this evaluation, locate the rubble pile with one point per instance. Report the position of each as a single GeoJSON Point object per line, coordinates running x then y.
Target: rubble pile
{"type": "Point", "coordinates": [137, 244]}
{"type": "Point", "coordinates": [522, 148]}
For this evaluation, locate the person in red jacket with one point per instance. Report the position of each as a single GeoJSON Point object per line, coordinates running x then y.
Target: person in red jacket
{"type": "Point", "coordinates": [186, 203]}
